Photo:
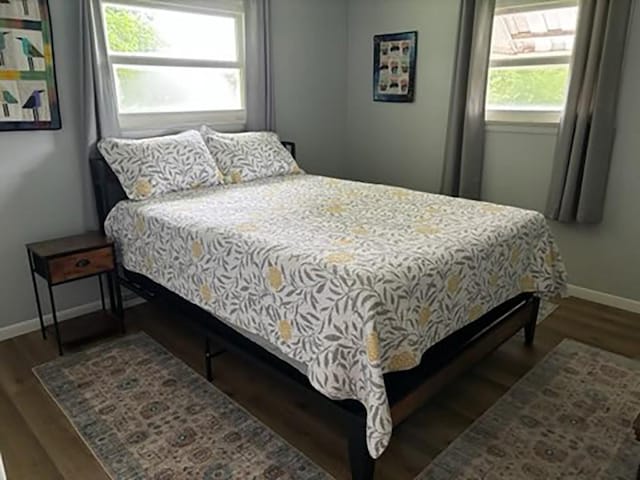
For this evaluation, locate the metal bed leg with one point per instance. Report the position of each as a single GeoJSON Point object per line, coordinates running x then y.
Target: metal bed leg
{"type": "Point", "coordinates": [208, 358]}
{"type": "Point", "coordinates": [119, 302]}
{"type": "Point", "coordinates": [115, 299]}
{"type": "Point", "coordinates": [530, 327]}
{"type": "Point", "coordinates": [362, 465]}
{"type": "Point", "coordinates": [112, 294]}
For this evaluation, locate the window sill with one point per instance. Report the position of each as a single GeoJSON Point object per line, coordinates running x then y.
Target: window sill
{"type": "Point", "coordinates": [141, 124]}
{"type": "Point", "coordinates": [532, 116]}
{"type": "Point", "coordinates": [541, 122]}
{"type": "Point", "coordinates": [531, 128]}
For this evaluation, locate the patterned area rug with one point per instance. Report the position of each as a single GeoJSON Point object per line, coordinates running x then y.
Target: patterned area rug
{"type": "Point", "coordinates": [570, 417]}
{"type": "Point", "coordinates": [147, 415]}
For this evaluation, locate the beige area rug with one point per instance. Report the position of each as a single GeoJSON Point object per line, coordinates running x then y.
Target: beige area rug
{"type": "Point", "coordinates": [571, 417]}
{"type": "Point", "coordinates": [147, 415]}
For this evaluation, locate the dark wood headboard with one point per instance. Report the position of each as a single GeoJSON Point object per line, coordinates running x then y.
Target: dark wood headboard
{"type": "Point", "coordinates": [109, 192]}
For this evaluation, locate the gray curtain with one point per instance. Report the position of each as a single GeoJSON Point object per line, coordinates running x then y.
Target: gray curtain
{"type": "Point", "coordinates": [97, 99]}
{"type": "Point", "coordinates": [464, 151]}
{"type": "Point", "coordinates": [587, 130]}
{"type": "Point", "coordinates": [99, 108]}
{"type": "Point", "coordinates": [259, 75]}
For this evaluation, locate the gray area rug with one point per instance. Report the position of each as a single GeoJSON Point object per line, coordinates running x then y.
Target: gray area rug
{"type": "Point", "coordinates": [571, 417]}
{"type": "Point", "coordinates": [146, 415]}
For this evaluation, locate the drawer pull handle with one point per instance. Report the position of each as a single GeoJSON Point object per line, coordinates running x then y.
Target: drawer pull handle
{"type": "Point", "coordinates": [82, 263]}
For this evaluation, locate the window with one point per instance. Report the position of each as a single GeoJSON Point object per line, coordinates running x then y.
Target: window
{"type": "Point", "coordinates": [176, 64]}
{"type": "Point", "coordinates": [531, 51]}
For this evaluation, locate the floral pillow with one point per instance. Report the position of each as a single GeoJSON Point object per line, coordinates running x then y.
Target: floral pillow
{"type": "Point", "coordinates": [243, 157]}
{"type": "Point", "coordinates": [155, 166]}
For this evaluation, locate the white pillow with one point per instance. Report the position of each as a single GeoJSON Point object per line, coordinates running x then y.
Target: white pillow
{"type": "Point", "coordinates": [243, 157]}
{"type": "Point", "coordinates": [154, 166]}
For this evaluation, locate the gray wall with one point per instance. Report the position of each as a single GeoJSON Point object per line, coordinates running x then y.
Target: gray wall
{"type": "Point", "coordinates": [310, 61]}
{"type": "Point", "coordinates": [403, 144]}
{"type": "Point", "coordinates": [44, 182]}
{"type": "Point", "coordinates": [400, 143]}
{"type": "Point", "coordinates": [41, 192]}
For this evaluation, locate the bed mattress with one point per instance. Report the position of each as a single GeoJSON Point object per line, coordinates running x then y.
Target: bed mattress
{"type": "Point", "coordinates": [346, 281]}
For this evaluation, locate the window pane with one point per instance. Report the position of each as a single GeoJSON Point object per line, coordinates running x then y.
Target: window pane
{"type": "Point", "coordinates": [528, 88]}
{"type": "Point", "coordinates": [177, 89]}
{"type": "Point", "coordinates": [530, 52]}
{"type": "Point", "coordinates": [536, 33]}
{"type": "Point", "coordinates": [170, 33]}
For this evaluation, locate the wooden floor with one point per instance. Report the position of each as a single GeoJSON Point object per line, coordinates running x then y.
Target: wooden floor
{"type": "Point", "coordinates": [37, 442]}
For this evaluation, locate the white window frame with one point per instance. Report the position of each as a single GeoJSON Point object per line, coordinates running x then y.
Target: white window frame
{"type": "Point", "coordinates": [533, 116]}
{"type": "Point", "coordinates": [226, 119]}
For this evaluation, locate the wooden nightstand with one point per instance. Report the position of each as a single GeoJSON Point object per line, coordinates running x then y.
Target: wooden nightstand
{"type": "Point", "coordinates": [69, 259]}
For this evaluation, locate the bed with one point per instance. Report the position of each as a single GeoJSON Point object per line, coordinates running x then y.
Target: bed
{"type": "Point", "coordinates": [376, 295]}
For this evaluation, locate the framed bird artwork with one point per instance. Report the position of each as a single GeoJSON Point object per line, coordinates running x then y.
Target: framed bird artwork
{"type": "Point", "coordinates": [28, 90]}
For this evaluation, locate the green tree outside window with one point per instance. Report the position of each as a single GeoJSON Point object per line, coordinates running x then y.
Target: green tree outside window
{"type": "Point", "coordinates": [528, 86]}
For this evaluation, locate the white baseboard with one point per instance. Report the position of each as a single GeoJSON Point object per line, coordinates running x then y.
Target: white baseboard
{"type": "Point", "coordinates": [32, 325]}
{"type": "Point", "coordinates": [605, 299]}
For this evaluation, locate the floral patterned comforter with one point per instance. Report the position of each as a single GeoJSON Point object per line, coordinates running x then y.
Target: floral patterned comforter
{"type": "Point", "coordinates": [351, 280]}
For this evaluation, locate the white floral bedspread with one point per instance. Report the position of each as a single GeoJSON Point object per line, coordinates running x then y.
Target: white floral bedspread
{"type": "Point", "coordinates": [351, 280]}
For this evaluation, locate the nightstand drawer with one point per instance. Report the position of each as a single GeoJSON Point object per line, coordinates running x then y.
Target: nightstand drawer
{"type": "Point", "coordinates": [81, 265]}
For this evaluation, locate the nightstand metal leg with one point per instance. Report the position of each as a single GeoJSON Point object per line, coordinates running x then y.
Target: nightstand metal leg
{"type": "Point", "coordinates": [104, 307]}
{"type": "Point", "coordinates": [43, 330]}
{"type": "Point", "coordinates": [55, 321]}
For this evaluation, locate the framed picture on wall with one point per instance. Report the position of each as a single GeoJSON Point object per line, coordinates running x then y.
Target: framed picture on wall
{"type": "Point", "coordinates": [394, 67]}
{"type": "Point", "coordinates": [28, 90]}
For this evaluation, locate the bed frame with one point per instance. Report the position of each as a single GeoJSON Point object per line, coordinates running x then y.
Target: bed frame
{"type": "Point", "coordinates": [407, 391]}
